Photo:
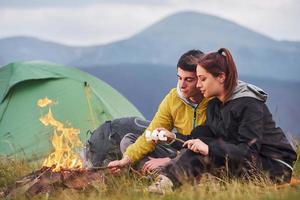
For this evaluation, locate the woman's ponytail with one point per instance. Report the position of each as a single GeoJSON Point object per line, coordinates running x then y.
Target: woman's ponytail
{"type": "Point", "coordinates": [222, 62]}
{"type": "Point", "coordinates": [232, 75]}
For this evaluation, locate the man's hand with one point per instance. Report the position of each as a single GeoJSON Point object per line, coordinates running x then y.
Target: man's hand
{"type": "Point", "coordinates": [197, 146]}
{"type": "Point", "coordinates": [115, 166]}
{"type": "Point", "coordinates": [154, 163]}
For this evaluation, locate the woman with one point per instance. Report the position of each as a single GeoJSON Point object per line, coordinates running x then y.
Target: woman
{"type": "Point", "coordinates": [239, 135]}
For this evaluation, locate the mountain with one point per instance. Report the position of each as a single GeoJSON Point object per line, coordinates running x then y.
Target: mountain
{"type": "Point", "coordinates": [163, 42]}
{"type": "Point", "coordinates": [143, 67]}
{"type": "Point", "coordinates": [145, 85]}
{"type": "Point", "coordinates": [29, 48]}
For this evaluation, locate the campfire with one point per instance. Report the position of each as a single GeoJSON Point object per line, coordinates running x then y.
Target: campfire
{"type": "Point", "coordinates": [63, 168]}
{"type": "Point", "coordinates": [64, 141]}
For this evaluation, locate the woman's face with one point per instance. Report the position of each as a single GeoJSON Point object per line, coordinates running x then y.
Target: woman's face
{"type": "Point", "coordinates": [209, 85]}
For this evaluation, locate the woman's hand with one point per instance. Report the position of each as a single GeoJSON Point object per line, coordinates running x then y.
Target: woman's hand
{"type": "Point", "coordinates": [115, 166]}
{"type": "Point", "coordinates": [197, 146]}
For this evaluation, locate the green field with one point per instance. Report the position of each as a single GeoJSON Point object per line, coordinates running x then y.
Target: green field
{"type": "Point", "coordinates": [128, 186]}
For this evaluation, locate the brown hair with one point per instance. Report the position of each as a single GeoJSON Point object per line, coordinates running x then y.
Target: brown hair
{"type": "Point", "coordinates": [221, 61]}
{"type": "Point", "coordinates": [188, 61]}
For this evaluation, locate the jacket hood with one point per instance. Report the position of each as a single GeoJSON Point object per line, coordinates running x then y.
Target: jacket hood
{"type": "Point", "coordinates": [244, 89]}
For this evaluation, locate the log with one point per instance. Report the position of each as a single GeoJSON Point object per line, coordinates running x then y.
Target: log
{"type": "Point", "coordinates": [45, 180]}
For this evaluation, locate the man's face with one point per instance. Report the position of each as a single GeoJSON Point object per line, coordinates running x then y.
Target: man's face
{"type": "Point", "coordinates": [187, 83]}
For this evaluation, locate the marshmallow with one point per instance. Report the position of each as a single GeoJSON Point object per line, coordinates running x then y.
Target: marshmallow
{"type": "Point", "coordinates": [155, 135]}
{"type": "Point", "coordinates": [148, 136]}
{"type": "Point", "coordinates": [151, 136]}
{"type": "Point", "coordinates": [162, 136]}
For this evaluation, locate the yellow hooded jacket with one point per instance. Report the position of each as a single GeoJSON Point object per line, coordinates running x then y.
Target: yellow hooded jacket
{"type": "Point", "coordinates": [174, 111]}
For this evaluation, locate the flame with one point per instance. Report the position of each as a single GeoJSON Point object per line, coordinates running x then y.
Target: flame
{"type": "Point", "coordinates": [44, 102]}
{"type": "Point", "coordinates": [64, 141]}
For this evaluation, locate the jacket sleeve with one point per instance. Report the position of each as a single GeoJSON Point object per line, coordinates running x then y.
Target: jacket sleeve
{"type": "Point", "coordinates": [249, 121]}
{"type": "Point", "coordinates": [162, 118]}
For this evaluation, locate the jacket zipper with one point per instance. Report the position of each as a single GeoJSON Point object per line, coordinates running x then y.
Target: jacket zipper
{"type": "Point", "coordinates": [195, 116]}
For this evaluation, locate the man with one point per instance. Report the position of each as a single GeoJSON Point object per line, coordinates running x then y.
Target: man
{"type": "Point", "coordinates": [182, 109]}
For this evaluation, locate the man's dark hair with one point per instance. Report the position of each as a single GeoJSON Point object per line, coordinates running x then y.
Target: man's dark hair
{"type": "Point", "coordinates": [189, 60]}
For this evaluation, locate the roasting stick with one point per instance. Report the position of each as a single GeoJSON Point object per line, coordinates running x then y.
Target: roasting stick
{"type": "Point", "coordinates": [106, 167]}
{"type": "Point", "coordinates": [179, 140]}
{"type": "Point", "coordinates": [100, 168]}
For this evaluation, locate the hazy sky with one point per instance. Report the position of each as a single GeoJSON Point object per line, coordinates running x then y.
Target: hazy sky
{"type": "Point", "coordinates": [85, 22]}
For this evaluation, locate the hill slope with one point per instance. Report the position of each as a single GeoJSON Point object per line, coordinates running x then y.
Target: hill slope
{"type": "Point", "coordinates": [163, 42]}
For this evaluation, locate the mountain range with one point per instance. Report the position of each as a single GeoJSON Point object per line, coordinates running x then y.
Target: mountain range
{"type": "Point", "coordinates": [143, 67]}
{"type": "Point", "coordinates": [163, 42]}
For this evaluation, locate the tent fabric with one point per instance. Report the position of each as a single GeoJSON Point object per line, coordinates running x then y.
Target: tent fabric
{"type": "Point", "coordinates": [81, 101]}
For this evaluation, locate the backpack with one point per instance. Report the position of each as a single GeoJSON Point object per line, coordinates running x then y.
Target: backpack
{"type": "Point", "coordinates": [103, 144]}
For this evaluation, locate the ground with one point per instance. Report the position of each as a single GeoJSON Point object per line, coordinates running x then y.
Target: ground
{"type": "Point", "coordinates": [130, 186]}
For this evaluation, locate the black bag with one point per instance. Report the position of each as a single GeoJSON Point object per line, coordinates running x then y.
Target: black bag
{"type": "Point", "coordinates": [104, 143]}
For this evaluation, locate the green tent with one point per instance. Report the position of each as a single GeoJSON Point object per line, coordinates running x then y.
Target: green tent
{"type": "Point", "coordinates": [81, 101]}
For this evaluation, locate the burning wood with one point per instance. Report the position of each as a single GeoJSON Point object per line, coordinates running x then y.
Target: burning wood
{"type": "Point", "coordinates": [46, 180]}
{"type": "Point", "coordinates": [61, 169]}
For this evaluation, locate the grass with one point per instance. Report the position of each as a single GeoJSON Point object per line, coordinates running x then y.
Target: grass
{"type": "Point", "coordinates": [132, 187]}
